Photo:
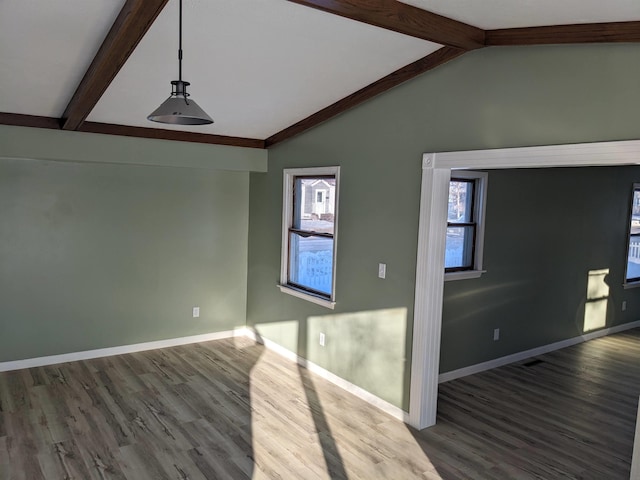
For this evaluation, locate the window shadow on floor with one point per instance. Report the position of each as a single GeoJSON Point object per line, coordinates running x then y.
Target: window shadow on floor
{"type": "Point", "coordinates": [330, 452]}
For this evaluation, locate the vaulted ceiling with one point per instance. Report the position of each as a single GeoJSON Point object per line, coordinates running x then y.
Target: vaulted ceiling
{"type": "Point", "coordinates": [265, 70]}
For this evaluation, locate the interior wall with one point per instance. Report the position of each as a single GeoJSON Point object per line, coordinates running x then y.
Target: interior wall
{"type": "Point", "coordinates": [555, 255]}
{"type": "Point", "coordinates": [96, 255]}
{"type": "Point", "coordinates": [492, 98]}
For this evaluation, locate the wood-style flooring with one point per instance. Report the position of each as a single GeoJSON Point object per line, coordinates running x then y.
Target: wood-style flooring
{"type": "Point", "coordinates": [231, 409]}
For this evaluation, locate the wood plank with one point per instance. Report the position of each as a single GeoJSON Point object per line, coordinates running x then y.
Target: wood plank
{"type": "Point", "coordinates": [4, 455]}
{"type": "Point", "coordinates": [140, 462]}
{"type": "Point", "coordinates": [405, 19]}
{"type": "Point", "coordinates": [614, 32]}
{"type": "Point", "coordinates": [212, 466]}
{"type": "Point", "coordinates": [435, 59]}
{"type": "Point", "coordinates": [133, 21]}
{"type": "Point", "coordinates": [21, 448]}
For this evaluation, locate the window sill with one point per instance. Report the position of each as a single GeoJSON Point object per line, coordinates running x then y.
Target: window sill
{"type": "Point", "coordinates": [627, 286]}
{"type": "Point", "coordinates": [307, 296]}
{"type": "Point", "coordinates": [463, 275]}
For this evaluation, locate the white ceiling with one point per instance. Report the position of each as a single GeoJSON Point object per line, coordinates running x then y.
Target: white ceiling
{"type": "Point", "coordinates": [45, 49]}
{"type": "Point", "coordinates": [495, 14]}
{"type": "Point", "coordinates": [256, 66]}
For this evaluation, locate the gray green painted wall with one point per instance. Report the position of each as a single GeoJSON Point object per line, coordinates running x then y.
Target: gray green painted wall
{"type": "Point", "coordinates": [62, 145]}
{"type": "Point", "coordinates": [97, 254]}
{"type": "Point", "coordinates": [493, 98]}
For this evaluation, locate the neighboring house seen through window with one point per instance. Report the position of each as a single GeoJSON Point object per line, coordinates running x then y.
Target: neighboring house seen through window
{"type": "Point", "coordinates": [309, 234]}
{"type": "Point", "coordinates": [465, 225]}
{"type": "Point", "coordinates": [633, 249]}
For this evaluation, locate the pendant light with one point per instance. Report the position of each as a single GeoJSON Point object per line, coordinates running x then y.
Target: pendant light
{"type": "Point", "coordinates": [178, 109]}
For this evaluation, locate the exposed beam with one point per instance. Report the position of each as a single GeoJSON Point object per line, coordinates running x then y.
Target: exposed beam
{"type": "Point", "coordinates": [163, 134]}
{"type": "Point", "coordinates": [132, 23]}
{"type": "Point", "coordinates": [614, 32]}
{"type": "Point", "coordinates": [412, 70]}
{"type": "Point", "coordinates": [20, 120]}
{"type": "Point", "coordinates": [403, 18]}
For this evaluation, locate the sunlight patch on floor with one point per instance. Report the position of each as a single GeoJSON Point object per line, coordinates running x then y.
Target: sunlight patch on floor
{"type": "Point", "coordinates": [318, 430]}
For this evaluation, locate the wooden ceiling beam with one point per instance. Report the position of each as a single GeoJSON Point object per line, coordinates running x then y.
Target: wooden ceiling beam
{"type": "Point", "coordinates": [132, 23]}
{"type": "Point", "coordinates": [412, 70]}
{"type": "Point", "coordinates": [613, 32]}
{"type": "Point", "coordinates": [21, 120]}
{"type": "Point", "coordinates": [403, 18]}
{"type": "Point", "coordinates": [176, 135]}
{"type": "Point", "coordinates": [33, 121]}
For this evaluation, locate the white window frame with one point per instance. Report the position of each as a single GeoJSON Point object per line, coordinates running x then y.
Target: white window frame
{"type": "Point", "coordinates": [289, 175]}
{"type": "Point", "coordinates": [480, 201]}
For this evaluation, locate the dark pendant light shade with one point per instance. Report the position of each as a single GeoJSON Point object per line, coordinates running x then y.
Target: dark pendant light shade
{"type": "Point", "coordinates": [178, 109]}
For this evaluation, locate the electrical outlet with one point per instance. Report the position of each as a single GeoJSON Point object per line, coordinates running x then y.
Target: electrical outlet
{"type": "Point", "coordinates": [196, 312]}
{"type": "Point", "coordinates": [322, 338]}
{"type": "Point", "coordinates": [382, 270]}
{"type": "Point", "coordinates": [624, 305]}
{"type": "Point", "coordinates": [496, 334]}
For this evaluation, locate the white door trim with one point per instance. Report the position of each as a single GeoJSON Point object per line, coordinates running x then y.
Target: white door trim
{"type": "Point", "coordinates": [436, 172]}
{"type": "Point", "coordinates": [425, 356]}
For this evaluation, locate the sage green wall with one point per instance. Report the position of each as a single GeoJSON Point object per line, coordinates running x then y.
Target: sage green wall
{"type": "Point", "coordinates": [97, 255]}
{"type": "Point", "coordinates": [65, 146]}
{"type": "Point", "coordinates": [492, 98]}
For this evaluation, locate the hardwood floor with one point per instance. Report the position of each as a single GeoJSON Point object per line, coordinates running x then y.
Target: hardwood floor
{"type": "Point", "coordinates": [231, 409]}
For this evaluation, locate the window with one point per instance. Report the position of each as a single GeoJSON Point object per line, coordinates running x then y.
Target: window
{"type": "Point", "coordinates": [633, 247]}
{"type": "Point", "coordinates": [465, 225]}
{"type": "Point", "coordinates": [309, 234]}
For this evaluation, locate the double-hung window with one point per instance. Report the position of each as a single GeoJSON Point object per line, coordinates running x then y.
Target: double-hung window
{"type": "Point", "coordinates": [309, 234]}
{"type": "Point", "coordinates": [632, 275]}
{"type": "Point", "coordinates": [465, 225]}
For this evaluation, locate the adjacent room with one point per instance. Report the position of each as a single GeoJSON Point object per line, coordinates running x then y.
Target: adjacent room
{"type": "Point", "coordinates": [390, 240]}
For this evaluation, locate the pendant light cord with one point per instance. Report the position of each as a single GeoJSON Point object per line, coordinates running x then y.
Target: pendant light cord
{"type": "Point", "coordinates": [182, 85]}
{"type": "Point", "coordinates": [180, 44]}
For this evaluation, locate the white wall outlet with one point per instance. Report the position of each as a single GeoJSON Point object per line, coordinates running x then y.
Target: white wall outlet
{"type": "Point", "coordinates": [496, 334]}
{"type": "Point", "coordinates": [382, 270]}
{"type": "Point", "coordinates": [196, 312]}
{"type": "Point", "coordinates": [322, 338]}
{"type": "Point", "coordinates": [624, 305]}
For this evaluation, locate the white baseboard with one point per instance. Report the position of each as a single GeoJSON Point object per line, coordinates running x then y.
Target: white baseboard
{"type": "Point", "coordinates": [534, 352]}
{"type": "Point", "coordinates": [173, 342]}
{"type": "Point", "coordinates": [359, 392]}
{"type": "Point", "coordinates": [110, 351]}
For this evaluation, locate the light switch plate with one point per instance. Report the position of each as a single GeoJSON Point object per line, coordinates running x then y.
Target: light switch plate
{"type": "Point", "coordinates": [382, 270]}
